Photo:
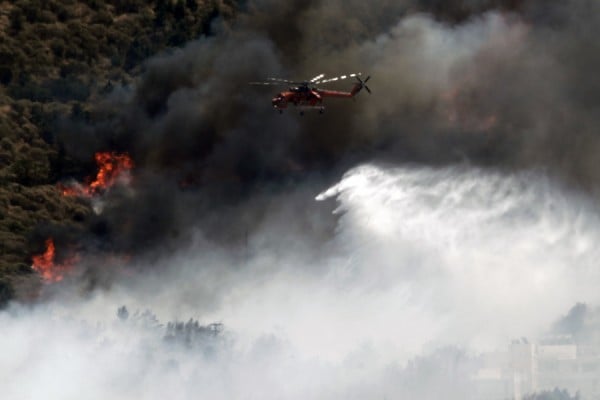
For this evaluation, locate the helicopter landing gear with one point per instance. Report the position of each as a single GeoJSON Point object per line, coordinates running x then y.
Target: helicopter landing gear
{"type": "Point", "coordinates": [321, 110]}
{"type": "Point", "coordinates": [302, 113]}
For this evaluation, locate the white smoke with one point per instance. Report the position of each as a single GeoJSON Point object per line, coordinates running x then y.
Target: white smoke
{"type": "Point", "coordinates": [423, 258]}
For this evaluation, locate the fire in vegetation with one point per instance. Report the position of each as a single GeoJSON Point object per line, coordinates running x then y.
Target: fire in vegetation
{"type": "Point", "coordinates": [45, 264]}
{"type": "Point", "coordinates": [112, 168]}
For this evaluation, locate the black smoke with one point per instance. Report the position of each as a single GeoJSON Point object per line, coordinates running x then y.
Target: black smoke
{"type": "Point", "coordinates": [507, 84]}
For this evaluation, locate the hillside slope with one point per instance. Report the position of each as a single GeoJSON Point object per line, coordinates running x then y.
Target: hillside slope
{"type": "Point", "coordinates": [57, 58]}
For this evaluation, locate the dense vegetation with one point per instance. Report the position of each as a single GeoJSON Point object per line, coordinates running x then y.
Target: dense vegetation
{"type": "Point", "coordinates": [57, 57]}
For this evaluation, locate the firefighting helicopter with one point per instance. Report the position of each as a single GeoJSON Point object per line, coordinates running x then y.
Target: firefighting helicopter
{"type": "Point", "coordinates": [306, 94]}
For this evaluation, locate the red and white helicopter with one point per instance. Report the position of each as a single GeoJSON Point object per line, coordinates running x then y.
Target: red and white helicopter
{"type": "Point", "coordinates": [306, 94]}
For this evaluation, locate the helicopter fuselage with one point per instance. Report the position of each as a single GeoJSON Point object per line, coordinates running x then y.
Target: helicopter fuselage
{"type": "Point", "coordinates": [298, 96]}
{"type": "Point", "coordinates": [307, 97]}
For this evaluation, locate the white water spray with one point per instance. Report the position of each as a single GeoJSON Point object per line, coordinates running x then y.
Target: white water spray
{"type": "Point", "coordinates": [423, 258]}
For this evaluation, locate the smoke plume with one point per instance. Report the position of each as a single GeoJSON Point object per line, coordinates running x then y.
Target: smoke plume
{"type": "Point", "coordinates": [460, 211]}
{"type": "Point", "coordinates": [507, 84]}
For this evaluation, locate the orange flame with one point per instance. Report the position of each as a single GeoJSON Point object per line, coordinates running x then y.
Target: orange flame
{"type": "Point", "coordinates": [111, 167]}
{"type": "Point", "coordinates": [45, 264]}
{"type": "Point", "coordinates": [71, 190]}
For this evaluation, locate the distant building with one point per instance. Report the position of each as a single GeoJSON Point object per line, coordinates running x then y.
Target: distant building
{"type": "Point", "coordinates": [526, 368]}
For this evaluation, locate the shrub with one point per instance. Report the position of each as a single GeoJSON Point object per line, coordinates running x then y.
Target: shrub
{"type": "Point", "coordinates": [95, 4]}
{"type": "Point", "coordinates": [32, 10]}
{"type": "Point", "coordinates": [62, 13]}
{"type": "Point", "coordinates": [66, 89]}
{"type": "Point", "coordinates": [47, 17]}
{"type": "Point", "coordinates": [103, 18]}
{"type": "Point", "coordinates": [58, 47]}
{"type": "Point", "coordinates": [139, 50]}
{"type": "Point", "coordinates": [5, 143]}
{"type": "Point", "coordinates": [29, 170]}
{"type": "Point", "coordinates": [72, 69]}
{"type": "Point", "coordinates": [29, 90]}
{"type": "Point", "coordinates": [128, 6]}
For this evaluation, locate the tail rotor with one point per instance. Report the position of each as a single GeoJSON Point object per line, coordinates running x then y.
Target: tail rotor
{"type": "Point", "coordinates": [358, 86]}
{"type": "Point", "coordinates": [363, 84]}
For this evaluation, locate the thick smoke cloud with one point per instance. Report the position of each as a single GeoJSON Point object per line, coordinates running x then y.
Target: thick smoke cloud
{"type": "Point", "coordinates": [507, 83]}
{"type": "Point", "coordinates": [493, 81]}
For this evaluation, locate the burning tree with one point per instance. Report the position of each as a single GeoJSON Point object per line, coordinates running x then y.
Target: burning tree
{"type": "Point", "coordinates": [45, 264]}
{"type": "Point", "coordinates": [112, 167]}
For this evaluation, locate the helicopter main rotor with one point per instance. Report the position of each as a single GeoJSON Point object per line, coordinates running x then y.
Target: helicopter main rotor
{"type": "Point", "coordinates": [317, 80]}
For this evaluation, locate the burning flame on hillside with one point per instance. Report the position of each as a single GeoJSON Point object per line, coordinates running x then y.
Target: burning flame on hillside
{"type": "Point", "coordinates": [112, 167]}
{"type": "Point", "coordinates": [46, 265]}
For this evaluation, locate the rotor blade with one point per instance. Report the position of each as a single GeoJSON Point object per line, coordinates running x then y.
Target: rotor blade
{"type": "Point", "coordinates": [328, 80]}
{"type": "Point", "coordinates": [338, 78]}
{"type": "Point", "coordinates": [268, 83]}
{"type": "Point", "coordinates": [368, 90]}
{"type": "Point", "coordinates": [316, 78]}
{"type": "Point", "coordinates": [281, 80]}
{"type": "Point", "coordinates": [368, 77]}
